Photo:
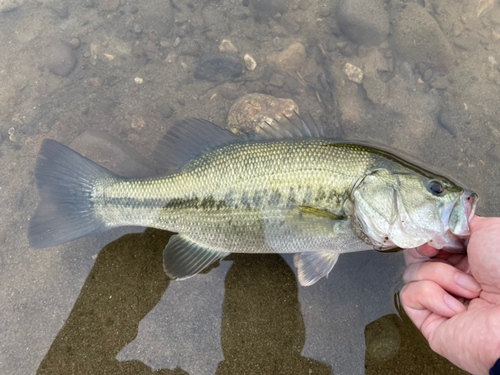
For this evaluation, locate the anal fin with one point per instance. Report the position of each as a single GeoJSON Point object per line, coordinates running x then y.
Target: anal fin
{"type": "Point", "coordinates": [312, 266]}
{"type": "Point", "coordinates": [183, 258]}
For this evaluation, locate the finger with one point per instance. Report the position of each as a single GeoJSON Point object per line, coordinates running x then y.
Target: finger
{"type": "Point", "coordinates": [446, 276]}
{"type": "Point", "coordinates": [427, 250]}
{"type": "Point", "coordinates": [413, 256]}
{"type": "Point", "coordinates": [422, 298]}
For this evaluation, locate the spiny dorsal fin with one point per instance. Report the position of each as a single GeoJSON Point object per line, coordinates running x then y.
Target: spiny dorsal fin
{"type": "Point", "coordinates": [313, 266]}
{"type": "Point", "coordinates": [189, 138]}
{"type": "Point", "coordinates": [183, 258]}
{"type": "Point", "coordinates": [294, 126]}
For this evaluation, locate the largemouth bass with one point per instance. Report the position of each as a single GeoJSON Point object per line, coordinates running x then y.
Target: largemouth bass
{"type": "Point", "coordinates": [286, 190]}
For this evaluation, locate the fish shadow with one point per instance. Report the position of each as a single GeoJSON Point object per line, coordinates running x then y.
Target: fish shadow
{"type": "Point", "coordinates": [262, 328]}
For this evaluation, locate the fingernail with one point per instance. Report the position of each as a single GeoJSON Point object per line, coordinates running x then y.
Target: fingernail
{"type": "Point", "coordinates": [453, 303]}
{"type": "Point", "coordinates": [467, 282]}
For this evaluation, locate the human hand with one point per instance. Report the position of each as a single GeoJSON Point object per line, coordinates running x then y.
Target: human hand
{"type": "Point", "coordinates": [465, 329]}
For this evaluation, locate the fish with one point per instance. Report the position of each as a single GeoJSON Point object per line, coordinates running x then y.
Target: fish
{"type": "Point", "coordinates": [287, 189]}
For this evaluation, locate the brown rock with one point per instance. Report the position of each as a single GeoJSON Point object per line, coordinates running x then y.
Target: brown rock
{"type": "Point", "coordinates": [252, 111]}
{"type": "Point", "coordinates": [289, 60]}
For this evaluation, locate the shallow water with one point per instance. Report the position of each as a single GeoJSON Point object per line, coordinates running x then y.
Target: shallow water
{"type": "Point", "coordinates": [103, 304]}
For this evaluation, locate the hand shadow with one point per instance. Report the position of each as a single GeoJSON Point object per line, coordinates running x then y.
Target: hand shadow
{"type": "Point", "coordinates": [262, 326]}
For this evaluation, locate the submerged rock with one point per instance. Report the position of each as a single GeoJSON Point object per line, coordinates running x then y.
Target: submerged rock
{"type": "Point", "coordinates": [218, 67]}
{"type": "Point", "coordinates": [417, 38]}
{"type": "Point", "coordinates": [61, 59]}
{"type": "Point", "coordinates": [289, 60]}
{"type": "Point", "coordinates": [113, 154]}
{"type": "Point", "coordinates": [8, 5]}
{"type": "Point", "coordinates": [363, 21]}
{"type": "Point", "coordinates": [354, 73]}
{"type": "Point", "coordinates": [252, 111]}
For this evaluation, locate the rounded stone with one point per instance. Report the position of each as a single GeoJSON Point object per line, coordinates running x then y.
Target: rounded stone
{"type": "Point", "coordinates": [251, 112]}
{"type": "Point", "coordinates": [61, 59]}
{"type": "Point", "coordinates": [363, 21]}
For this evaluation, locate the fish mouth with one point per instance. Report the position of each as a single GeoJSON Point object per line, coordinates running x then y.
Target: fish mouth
{"type": "Point", "coordinates": [470, 202]}
{"type": "Point", "coordinates": [455, 239]}
{"type": "Point", "coordinates": [462, 214]}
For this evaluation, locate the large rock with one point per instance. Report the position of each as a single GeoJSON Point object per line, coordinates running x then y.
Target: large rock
{"type": "Point", "coordinates": [363, 21]}
{"type": "Point", "coordinates": [417, 38]}
{"type": "Point", "coordinates": [250, 113]}
{"type": "Point", "coordinates": [112, 154]}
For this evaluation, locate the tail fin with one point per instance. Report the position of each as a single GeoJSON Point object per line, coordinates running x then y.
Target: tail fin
{"type": "Point", "coordinates": [65, 181]}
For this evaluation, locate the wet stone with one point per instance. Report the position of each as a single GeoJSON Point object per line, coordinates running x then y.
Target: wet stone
{"type": "Point", "coordinates": [495, 16]}
{"type": "Point", "coordinates": [289, 60]}
{"type": "Point", "coordinates": [441, 83]}
{"type": "Point", "coordinates": [354, 73]}
{"type": "Point", "coordinates": [268, 8]}
{"type": "Point", "coordinates": [218, 67]}
{"type": "Point", "coordinates": [8, 5]}
{"type": "Point", "coordinates": [61, 59]}
{"type": "Point", "coordinates": [250, 63]}
{"type": "Point", "coordinates": [113, 154]}
{"type": "Point", "coordinates": [467, 43]}
{"type": "Point", "coordinates": [109, 5]}
{"type": "Point", "coordinates": [363, 21]}
{"type": "Point", "coordinates": [227, 46]}
{"type": "Point", "coordinates": [427, 75]}
{"type": "Point", "coordinates": [416, 37]}
{"type": "Point", "coordinates": [457, 28]}
{"type": "Point", "coordinates": [75, 42]}
{"type": "Point", "coordinates": [137, 28]}
{"type": "Point", "coordinates": [249, 113]}
{"type": "Point", "coordinates": [277, 80]}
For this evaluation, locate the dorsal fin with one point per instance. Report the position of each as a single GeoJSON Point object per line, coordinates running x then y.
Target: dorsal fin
{"type": "Point", "coordinates": [189, 138]}
{"type": "Point", "coordinates": [290, 127]}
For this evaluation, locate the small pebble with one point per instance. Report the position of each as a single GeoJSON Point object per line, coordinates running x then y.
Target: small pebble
{"type": "Point", "coordinates": [250, 63]}
{"type": "Point", "coordinates": [137, 28]}
{"type": "Point", "coordinates": [441, 83]}
{"type": "Point", "coordinates": [177, 41]}
{"type": "Point", "coordinates": [354, 73]}
{"type": "Point", "coordinates": [138, 80]}
{"type": "Point", "coordinates": [75, 42]}
{"type": "Point", "coordinates": [227, 46]}
{"type": "Point", "coordinates": [457, 28]}
{"type": "Point", "coordinates": [277, 43]}
{"type": "Point", "coordinates": [277, 80]}
{"type": "Point", "coordinates": [427, 75]}
{"type": "Point", "coordinates": [95, 81]}
{"type": "Point", "coordinates": [171, 58]}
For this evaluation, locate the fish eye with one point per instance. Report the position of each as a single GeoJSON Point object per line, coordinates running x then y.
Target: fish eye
{"type": "Point", "coordinates": [435, 187]}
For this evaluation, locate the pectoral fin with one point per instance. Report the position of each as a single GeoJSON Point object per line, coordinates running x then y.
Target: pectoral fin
{"type": "Point", "coordinates": [183, 258]}
{"type": "Point", "coordinates": [314, 265]}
